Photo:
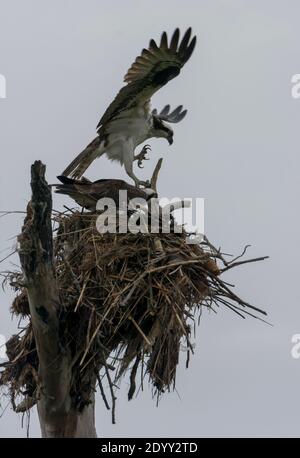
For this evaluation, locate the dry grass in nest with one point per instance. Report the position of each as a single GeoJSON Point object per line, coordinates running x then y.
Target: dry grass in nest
{"type": "Point", "coordinates": [129, 302]}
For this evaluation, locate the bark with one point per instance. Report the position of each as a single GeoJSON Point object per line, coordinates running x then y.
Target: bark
{"type": "Point", "coordinates": [56, 415]}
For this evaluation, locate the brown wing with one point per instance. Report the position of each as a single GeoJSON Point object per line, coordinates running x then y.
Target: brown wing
{"type": "Point", "coordinates": [87, 194]}
{"type": "Point", "coordinates": [163, 57]}
{"type": "Point", "coordinates": [151, 70]}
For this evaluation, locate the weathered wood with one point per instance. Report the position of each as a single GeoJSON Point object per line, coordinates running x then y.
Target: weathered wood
{"type": "Point", "coordinates": [68, 423]}
{"type": "Point", "coordinates": [57, 418]}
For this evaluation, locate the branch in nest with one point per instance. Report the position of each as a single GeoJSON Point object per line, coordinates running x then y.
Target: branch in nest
{"type": "Point", "coordinates": [25, 405]}
{"type": "Point", "coordinates": [155, 175]}
{"type": "Point", "coordinates": [133, 376]}
{"type": "Point", "coordinates": [113, 397]}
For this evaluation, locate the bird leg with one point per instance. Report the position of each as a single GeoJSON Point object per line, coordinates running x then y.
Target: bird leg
{"type": "Point", "coordinates": [142, 156]}
{"type": "Point", "coordinates": [128, 163]}
{"type": "Point", "coordinates": [139, 183]}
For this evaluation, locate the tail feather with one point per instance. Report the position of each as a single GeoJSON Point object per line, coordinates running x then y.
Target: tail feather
{"type": "Point", "coordinates": [64, 189]}
{"type": "Point", "coordinates": [66, 180]}
{"type": "Point", "coordinates": [81, 162]}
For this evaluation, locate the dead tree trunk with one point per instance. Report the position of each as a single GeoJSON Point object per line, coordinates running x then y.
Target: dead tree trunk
{"type": "Point", "coordinates": [57, 416]}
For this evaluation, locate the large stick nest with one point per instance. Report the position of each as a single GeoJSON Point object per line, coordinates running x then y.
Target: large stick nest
{"type": "Point", "coordinates": [129, 302]}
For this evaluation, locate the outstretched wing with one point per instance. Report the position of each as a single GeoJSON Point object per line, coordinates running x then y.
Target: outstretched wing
{"type": "Point", "coordinates": [151, 70]}
{"type": "Point", "coordinates": [175, 116]}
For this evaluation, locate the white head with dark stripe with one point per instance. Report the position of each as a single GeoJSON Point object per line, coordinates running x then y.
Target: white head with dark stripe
{"type": "Point", "coordinates": [162, 130]}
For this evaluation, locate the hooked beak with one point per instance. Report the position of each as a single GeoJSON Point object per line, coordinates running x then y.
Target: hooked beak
{"type": "Point", "coordinates": [170, 138]}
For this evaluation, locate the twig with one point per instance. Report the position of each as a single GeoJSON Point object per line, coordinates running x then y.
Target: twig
{"type": "Point", "coordinates": [140, 331]}
{"type": "Point", "coordinates": [113, 397]}
{"type": "Point", "coordinates": [154, 178]}
{"type": "Point", "coordinates": [102, 391]}
{"type": "Point", "coordinates": [232, 264]}
{"type": "Point", "coordinates": [133, 376]}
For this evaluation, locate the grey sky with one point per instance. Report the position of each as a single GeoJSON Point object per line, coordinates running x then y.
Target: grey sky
{"type": "Point", "coordinates": [238, 147]}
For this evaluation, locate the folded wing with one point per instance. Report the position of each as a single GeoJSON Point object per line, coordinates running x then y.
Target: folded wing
{"type": "Point", "coordinates": [87, 193]}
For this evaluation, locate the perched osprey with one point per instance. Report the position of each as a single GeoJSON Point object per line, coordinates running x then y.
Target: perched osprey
{"type": "Point", "coordinates": [87, 193]}
{"type": "Point", "coordinates": [128, 121]}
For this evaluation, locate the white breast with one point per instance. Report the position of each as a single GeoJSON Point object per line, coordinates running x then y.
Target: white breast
{"type": "Point", "coordinates": [131, 127]}
{"type": "Point", "coordinates": [134, 123]}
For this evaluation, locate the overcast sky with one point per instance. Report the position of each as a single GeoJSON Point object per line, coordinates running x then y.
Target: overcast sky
{"type": "Point", "coordinates": [238, 147]}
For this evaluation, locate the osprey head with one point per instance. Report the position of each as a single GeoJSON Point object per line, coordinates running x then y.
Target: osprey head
{"type": "Point", "coordinates": [162, 130]}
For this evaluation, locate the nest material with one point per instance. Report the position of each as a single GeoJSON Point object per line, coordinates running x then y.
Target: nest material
{"type": "Point", "coordinates": [128, 301]}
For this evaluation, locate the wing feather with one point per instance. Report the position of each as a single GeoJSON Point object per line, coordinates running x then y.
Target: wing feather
{"type": "Point", "coordinates": [184, 41]}
{"type": "Point", "coordinates": [189, 51]}
{"type": "Point", "coordinates": [175, 116]}
{"type": "Point", "coordinates": [165, 110]}
{"type": "Point", "coordinates": [175, 40]}
{"type": "Point", "coordinates": [164, 41]}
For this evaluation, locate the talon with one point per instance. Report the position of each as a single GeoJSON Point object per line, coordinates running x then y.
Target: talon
{"type": "Point", "coordinates": [142, 156]}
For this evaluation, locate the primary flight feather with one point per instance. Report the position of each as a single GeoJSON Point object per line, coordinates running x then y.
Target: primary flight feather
{"type": "Point", "coordinates": [129, 121]}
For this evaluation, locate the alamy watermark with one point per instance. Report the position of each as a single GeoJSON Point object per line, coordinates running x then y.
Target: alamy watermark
{"type": "Point", "coordinates": [2, 347]}
{"type": "Point", "coordinates": [295, 350]}
{"type": "Point", "coordinates": [153, 216]}
{"type": "Point", "coordinates": [295, 91]}
{"type": "Point", "coordinates": [2, 87]}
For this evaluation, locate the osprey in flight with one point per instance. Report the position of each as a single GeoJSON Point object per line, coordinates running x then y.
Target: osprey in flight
{"type": "Point", "coordinates": [128, 121]}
